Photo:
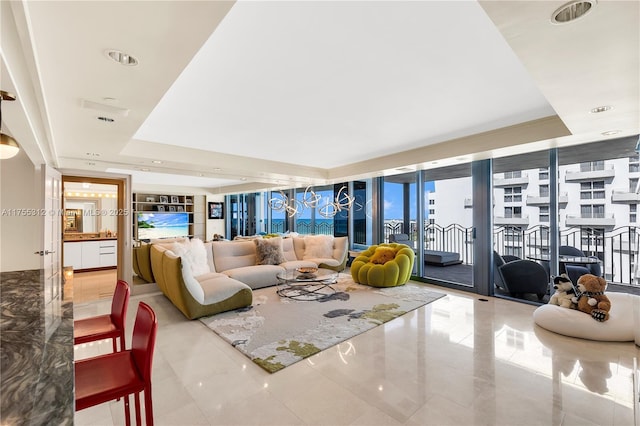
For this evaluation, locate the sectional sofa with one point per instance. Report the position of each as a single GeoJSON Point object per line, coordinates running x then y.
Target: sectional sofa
{"type": "Point", "coordinates": [203, 279]}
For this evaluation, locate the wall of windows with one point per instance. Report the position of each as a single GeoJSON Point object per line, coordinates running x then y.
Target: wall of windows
{"type": "Point", "coordinates": [594, 209]}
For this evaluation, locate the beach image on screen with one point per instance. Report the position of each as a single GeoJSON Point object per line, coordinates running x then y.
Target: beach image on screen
{"type": "Point", "coordinates": [162, 225]}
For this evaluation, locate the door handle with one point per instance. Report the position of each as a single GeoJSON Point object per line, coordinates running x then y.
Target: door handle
{"type": "Point", "coordinates": [43, 252]}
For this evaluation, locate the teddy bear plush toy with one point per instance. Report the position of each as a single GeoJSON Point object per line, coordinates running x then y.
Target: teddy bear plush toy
{"type": "Point", "coordinates": [564, 292]}
{"type": "Point", "coordinates": [382, 255]}
{"type": "Point", "coordinates": [591, 298]}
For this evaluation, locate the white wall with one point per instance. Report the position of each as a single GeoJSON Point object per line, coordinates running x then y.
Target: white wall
{"type": "Point", "coordinates": [109, 222]}
{"type": "Point", "coordinates": [20, 232]}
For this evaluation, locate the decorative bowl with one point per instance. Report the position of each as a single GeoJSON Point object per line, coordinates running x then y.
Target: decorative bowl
{"type": "Point", "coordinates": [307, 270]}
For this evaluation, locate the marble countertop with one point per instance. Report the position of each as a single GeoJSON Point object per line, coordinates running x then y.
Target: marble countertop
{"type": "Point", "coordinates": [36, 343]}
{"type": "Point", "coordinates": [82, 240]}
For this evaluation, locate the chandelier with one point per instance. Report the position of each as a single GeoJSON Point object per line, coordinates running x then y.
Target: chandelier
{"type": "Point", "coordinates": [8, 146]}
{"type": "Point", "coordinates": [311, 200]}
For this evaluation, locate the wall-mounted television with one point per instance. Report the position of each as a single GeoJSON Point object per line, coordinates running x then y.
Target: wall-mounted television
{"type": "Point", "coordinates": [162, 225]}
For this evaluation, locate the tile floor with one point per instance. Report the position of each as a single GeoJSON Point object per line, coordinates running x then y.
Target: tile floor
{"type": "Point", "coordinates": [456, 361]}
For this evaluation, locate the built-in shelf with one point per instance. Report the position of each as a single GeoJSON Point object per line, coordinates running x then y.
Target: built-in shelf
{"type": "Point", "coordinates": [165, 204]}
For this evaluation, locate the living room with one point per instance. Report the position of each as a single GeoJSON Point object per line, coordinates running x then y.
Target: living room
{"type": "Point", "coordinates": [265, 131]}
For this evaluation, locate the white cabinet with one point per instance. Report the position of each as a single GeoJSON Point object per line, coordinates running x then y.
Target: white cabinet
{"type": "Point", "coordinates": [108, 253]}
{"type": "Point", "coordinates": [91, 254]}
{"type": "Point", "coordinates": [73, 255]}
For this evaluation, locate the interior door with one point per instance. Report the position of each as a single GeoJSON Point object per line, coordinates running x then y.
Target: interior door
{"type": "Point", "coordinates": [51, 248]}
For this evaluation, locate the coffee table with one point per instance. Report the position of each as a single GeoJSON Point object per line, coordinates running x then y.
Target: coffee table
{"type": "Point", "coordinates": [300, 286]}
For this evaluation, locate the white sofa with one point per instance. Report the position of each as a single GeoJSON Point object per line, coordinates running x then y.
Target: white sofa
{"type": "Point", "coordinates": [224, 280]}
{"type": "Point", "coordinates": [237, 259]}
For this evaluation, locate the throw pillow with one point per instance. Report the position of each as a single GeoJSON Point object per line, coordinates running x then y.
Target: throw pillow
{"type": "Point", "coordinates": [193, 254]}
{"type": "Point", "coordinates": [269, 251]}
{"type": "Point", "coordinates": [318, 247]}
{"type": "Point", "coordinates": [382, 255]}
{"type": "Point", "coordinates": [198, 258]}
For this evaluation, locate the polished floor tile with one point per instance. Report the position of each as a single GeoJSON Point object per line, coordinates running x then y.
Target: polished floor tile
{"type": "Point", "coordinates": [456, 361]}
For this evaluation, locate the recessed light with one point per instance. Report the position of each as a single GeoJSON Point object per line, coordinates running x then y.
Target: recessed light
{"type": "Point", "coordinates": [122, 58]}
{"type": "Point", "coordinates": [610, 132]}
{"type": "Point", "coordinates": [156, 162]}
{"type": "Point", "coordinates": [571, 11]}
{"type": "Point", "coordinates": [106, 119]}
{"type": "Point", "coordinates": [144, 169]}
{"type": "Point", "coordinates": [244, 178]}
{"type": "Point", "coordinates": [216, 169]}
{"type": "Point", "coordinates": [602, 108]}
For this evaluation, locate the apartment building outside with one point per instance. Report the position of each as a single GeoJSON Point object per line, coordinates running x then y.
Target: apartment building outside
{"type": "Point", "coordinates": [597, 205]}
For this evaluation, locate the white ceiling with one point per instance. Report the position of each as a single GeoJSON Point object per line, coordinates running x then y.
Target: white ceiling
{"type": "Point", "coordinates": [252, 95]}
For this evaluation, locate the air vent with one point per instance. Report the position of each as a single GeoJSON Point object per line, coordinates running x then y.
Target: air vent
{"type": "Point", "coordinates": [122, 58]}
{"type": "Point", "coordinates": [109, 109]}
{"type": "Point", "coordinates": [572, 11]}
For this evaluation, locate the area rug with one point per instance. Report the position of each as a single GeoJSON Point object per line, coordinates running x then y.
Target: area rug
{"type": "Point", "coordinates": [276, 332]}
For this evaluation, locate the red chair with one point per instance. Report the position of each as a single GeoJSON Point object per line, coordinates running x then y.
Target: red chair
{"type": "Point", "coordinates": [117, 375]}
{"type": "Point", "coordinates": [105, 326]}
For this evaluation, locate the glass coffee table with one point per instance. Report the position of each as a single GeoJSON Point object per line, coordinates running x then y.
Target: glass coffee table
{"type": "Point", "coordinates": [299, 285]}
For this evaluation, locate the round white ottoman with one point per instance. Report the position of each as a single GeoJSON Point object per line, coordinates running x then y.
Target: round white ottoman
{"type": "Point", "coordinates": [573, 323]}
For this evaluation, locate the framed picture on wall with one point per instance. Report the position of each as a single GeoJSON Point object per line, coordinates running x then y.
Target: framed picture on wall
{"type": "Point", "coordinates": [174, 199]}
{"type": "Point", "coordinates": [172, 208]}
{"type": "Point", "coordinates": [164, 199]}
{"type": "Point", "coordinates": [160, 208]}
{"type": "Point", "coordinates": [216, 210]}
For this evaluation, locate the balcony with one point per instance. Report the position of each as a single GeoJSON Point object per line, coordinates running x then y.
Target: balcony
{"type": "Point", "coordinates": [622, 196]}
{"type": "Point", "coordinates": [576, 176]}
{"type": "Point", "coordinates": [536, 200]}
{"type": "Point", "coordinates": [514, 181]}
{"type": "Point", "coordinates": [515, 221]}
{"type": "Point", "coordinates": [596, 222]}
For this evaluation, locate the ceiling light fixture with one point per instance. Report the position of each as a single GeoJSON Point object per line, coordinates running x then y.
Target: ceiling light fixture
{"type": "Point", "coordinates": [571, 11]}
{"type": "Point", "coordinates": [8, 146]}
{"type": "Point", "coordinates": [602, 108]}
{"type": "Point", "coordinates": [122, 58]}
{"type": "Point", "coordinates": [156, 162]}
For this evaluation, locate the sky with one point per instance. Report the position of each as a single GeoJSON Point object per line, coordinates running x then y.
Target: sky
{"type": "Point", "coordinates": [393, 199]}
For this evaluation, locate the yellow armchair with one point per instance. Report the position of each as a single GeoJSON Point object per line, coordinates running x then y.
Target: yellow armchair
{"type": "Point", "coordinates": [384, 265]}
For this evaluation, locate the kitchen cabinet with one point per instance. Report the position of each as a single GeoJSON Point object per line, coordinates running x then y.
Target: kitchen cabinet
{"type": "Point", "coordinates": [82, 255]}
